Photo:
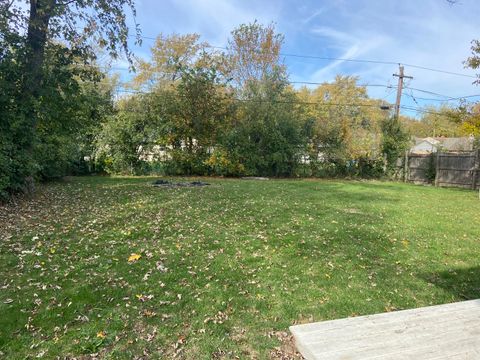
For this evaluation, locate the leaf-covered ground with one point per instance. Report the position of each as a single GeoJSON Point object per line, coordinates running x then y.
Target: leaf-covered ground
{"type": "Point", "coordinates": [115, 268]}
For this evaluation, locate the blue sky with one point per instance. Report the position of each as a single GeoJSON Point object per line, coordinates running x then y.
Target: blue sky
{"type": "Point", "coordinates": [430, 33]}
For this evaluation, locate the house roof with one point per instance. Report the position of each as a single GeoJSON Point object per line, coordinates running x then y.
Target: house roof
{"type": "Point", "coordinates": [448, 143]}
{"type": "Point", "coordinates": [457, 143]}
{"type": "Point", "coordinates": [430, 140]}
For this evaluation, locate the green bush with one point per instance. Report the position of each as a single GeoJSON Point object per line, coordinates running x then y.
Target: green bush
{"type": "Point", "coordinates": [184, 162]}
{"type": "Point", "coordinates": [369, 168]}
{"type": "Point", "coordinates": [222, 163]}
{"type": "Point", "coordinates": [394, 143]}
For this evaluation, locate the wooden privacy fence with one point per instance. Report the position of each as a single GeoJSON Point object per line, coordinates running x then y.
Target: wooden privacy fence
{"type": "Point", "coordinates": [459, 169]}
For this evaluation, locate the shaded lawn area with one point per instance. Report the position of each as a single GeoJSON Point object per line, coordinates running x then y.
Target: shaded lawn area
{"type": "Point", "coordinates": [224, 269]}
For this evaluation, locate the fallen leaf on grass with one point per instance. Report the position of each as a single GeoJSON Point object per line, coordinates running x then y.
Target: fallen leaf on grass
{"type": "Point", "coordinates": [134, 257]}
{"type": "Point", "coordinates": [144, 298]}
{"type": "Point", "coordinates": [149, 313]}
{"type": "Point", "coordinates": [160, 267]}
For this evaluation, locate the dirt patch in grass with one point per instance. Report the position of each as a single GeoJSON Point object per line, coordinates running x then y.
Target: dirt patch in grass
{"type": "Point", "coordinates": [287, 349]}
{"type": "Point", "coordinates": [170, 184]}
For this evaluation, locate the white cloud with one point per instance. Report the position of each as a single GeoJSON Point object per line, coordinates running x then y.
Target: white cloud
{"type": "Point", "coordinates": [341, 37]}
{"type": "Point", "coordinates": [216, 19]}
{"type": "Point", "coordinates": [352, 46]}
{"type": "Point", "coordinates": [313, 16]}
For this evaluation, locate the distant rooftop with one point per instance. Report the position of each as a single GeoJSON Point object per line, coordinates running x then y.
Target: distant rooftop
{"type": "Point", "coordinates": [445, 143]}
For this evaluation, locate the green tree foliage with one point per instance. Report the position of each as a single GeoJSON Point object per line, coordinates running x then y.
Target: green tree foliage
{"type": "Point", "coordinates": [266, 137]}
{"type": "Point", "coordinates": [470, 124]}
{"type": "Point", "coordinates": [344, 125]}
{"type": "Point", "coordinates": [473, 61]}
{"type": "Point", "coordinates": [200, 118]}
{"type": "Point", "coordinates": [119, 143]}
{"type": "Point", "coordinates": [442, 121]}
{"type": "Point", "coordinates": [199, 122]}
{"type": "Point", "coordinates": [69, 111]}
{"type": "Point", "coordinates": [46, 54]}
{"type": "Point", "coordinates": [253, 53]}
{"type": "Point", "coordinates": [73, 101]}
{"type": "Point", "coordinates": [16, 162]}
{"type": "Point", "coordinates": [184, 120]}
{"type": "Point", "coordinates": [395, 141]}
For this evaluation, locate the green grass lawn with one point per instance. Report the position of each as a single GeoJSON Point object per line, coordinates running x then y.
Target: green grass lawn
{"type": "Point", "coordinates": [224, 269]}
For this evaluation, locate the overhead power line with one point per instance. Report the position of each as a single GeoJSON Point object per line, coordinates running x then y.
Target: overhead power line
{"type": "Point", "coordinates": [444, 100]}
{"type": "Point", "coordinates": [429, 92]}
{"type": "Point", "coordinates": [327, 84]}
{"type": "Point", "coordinates": [317, 104]}
{"type": "Point", "coordinates": [426, 111]}
{"type": "Point", "coordinates": [294, 102]}
{"type": "Point", "coordinates": [447, 97]}
{"type": "Point", "coordinates": [331, 58]}
{"type": "Point", "coordinates": [439, 71]}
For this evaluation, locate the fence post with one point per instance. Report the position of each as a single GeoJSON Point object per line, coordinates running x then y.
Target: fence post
{"type": "Point", "coordinates": [437, 165]}
{"type": "Point", "coordinates": [405, 167]}
{"type": "Point", "coordinates": [476, 166]}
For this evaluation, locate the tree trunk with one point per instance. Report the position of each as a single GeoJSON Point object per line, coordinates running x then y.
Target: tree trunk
{"type": "Point", "coordinates": [31, 85]}
{"type": "Point", "coordinates": [41, 12]}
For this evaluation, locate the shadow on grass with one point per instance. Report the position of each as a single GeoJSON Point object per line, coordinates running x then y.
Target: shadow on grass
{"type": "Point", "coordinates": [463, 283]}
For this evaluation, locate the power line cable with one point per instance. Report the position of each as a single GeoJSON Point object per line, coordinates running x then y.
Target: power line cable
{"type": "Point", "coordinates": [429, 92]}
{"type": "Point", "coordinates": [275, 101]}
{"type": "Point", "coordinates": [328, 84]}
{"type": "Point", "coordinates": [331, 58]}
{"type": "Point", "coordinates": [446, 100]}
{"type": "Point", "coordinates": [318, 104]}
{"type": "Point", "coordinates": [439, 70]}
{"type": "Point", "coordinates": [426, 111]}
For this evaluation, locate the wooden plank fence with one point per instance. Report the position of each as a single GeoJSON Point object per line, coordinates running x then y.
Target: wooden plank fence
{"type": "Point", "coordinates": [458, 169]}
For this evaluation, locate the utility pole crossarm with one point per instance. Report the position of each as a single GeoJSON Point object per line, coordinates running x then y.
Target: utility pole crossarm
{"type": "Point", "coordinates": [400, 76]}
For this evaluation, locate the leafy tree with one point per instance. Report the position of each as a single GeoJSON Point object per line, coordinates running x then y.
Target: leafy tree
{"type": "Point", "coordinates": [69, 111]}
{"type": "Point", "coordinates": [169, 55]}
{"type": "Point", "coordinates": [119, 143]}
{"type": "Point", "coordinates": [395, 141]}
{"type": "Point", "coordinates": [15, 162]}
{"type": "Point", "coordinates": [442, 121]}
{"type": "Point", "coordinates": [266, 137]}
{"type": "Point", "coordinates": [199, 118]}
{"type": "Point", "coordinates": [471, 125]}
{"type": "Point", "coordinates": [36, 95]}
{"type": "Point", "coordinates": [416, 127]}
{"type": "Point", "coordinates": [344, 124]}
{"type": "Point", "coordinates": [254, 53]}
{"type": "Point", "coordinates": [75, 22]}
{"type": "Point", "coordinates": [185, 120]}
{"type": "Point", "coordinates": [473, 61]}
{"type": "Point", "coordinates": [128, 135]}
{"type": "Point", "coordinates": [467, 118]}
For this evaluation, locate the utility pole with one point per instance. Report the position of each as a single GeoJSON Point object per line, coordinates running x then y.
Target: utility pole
{"type": "Point", "coordinates": [401, 76]}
